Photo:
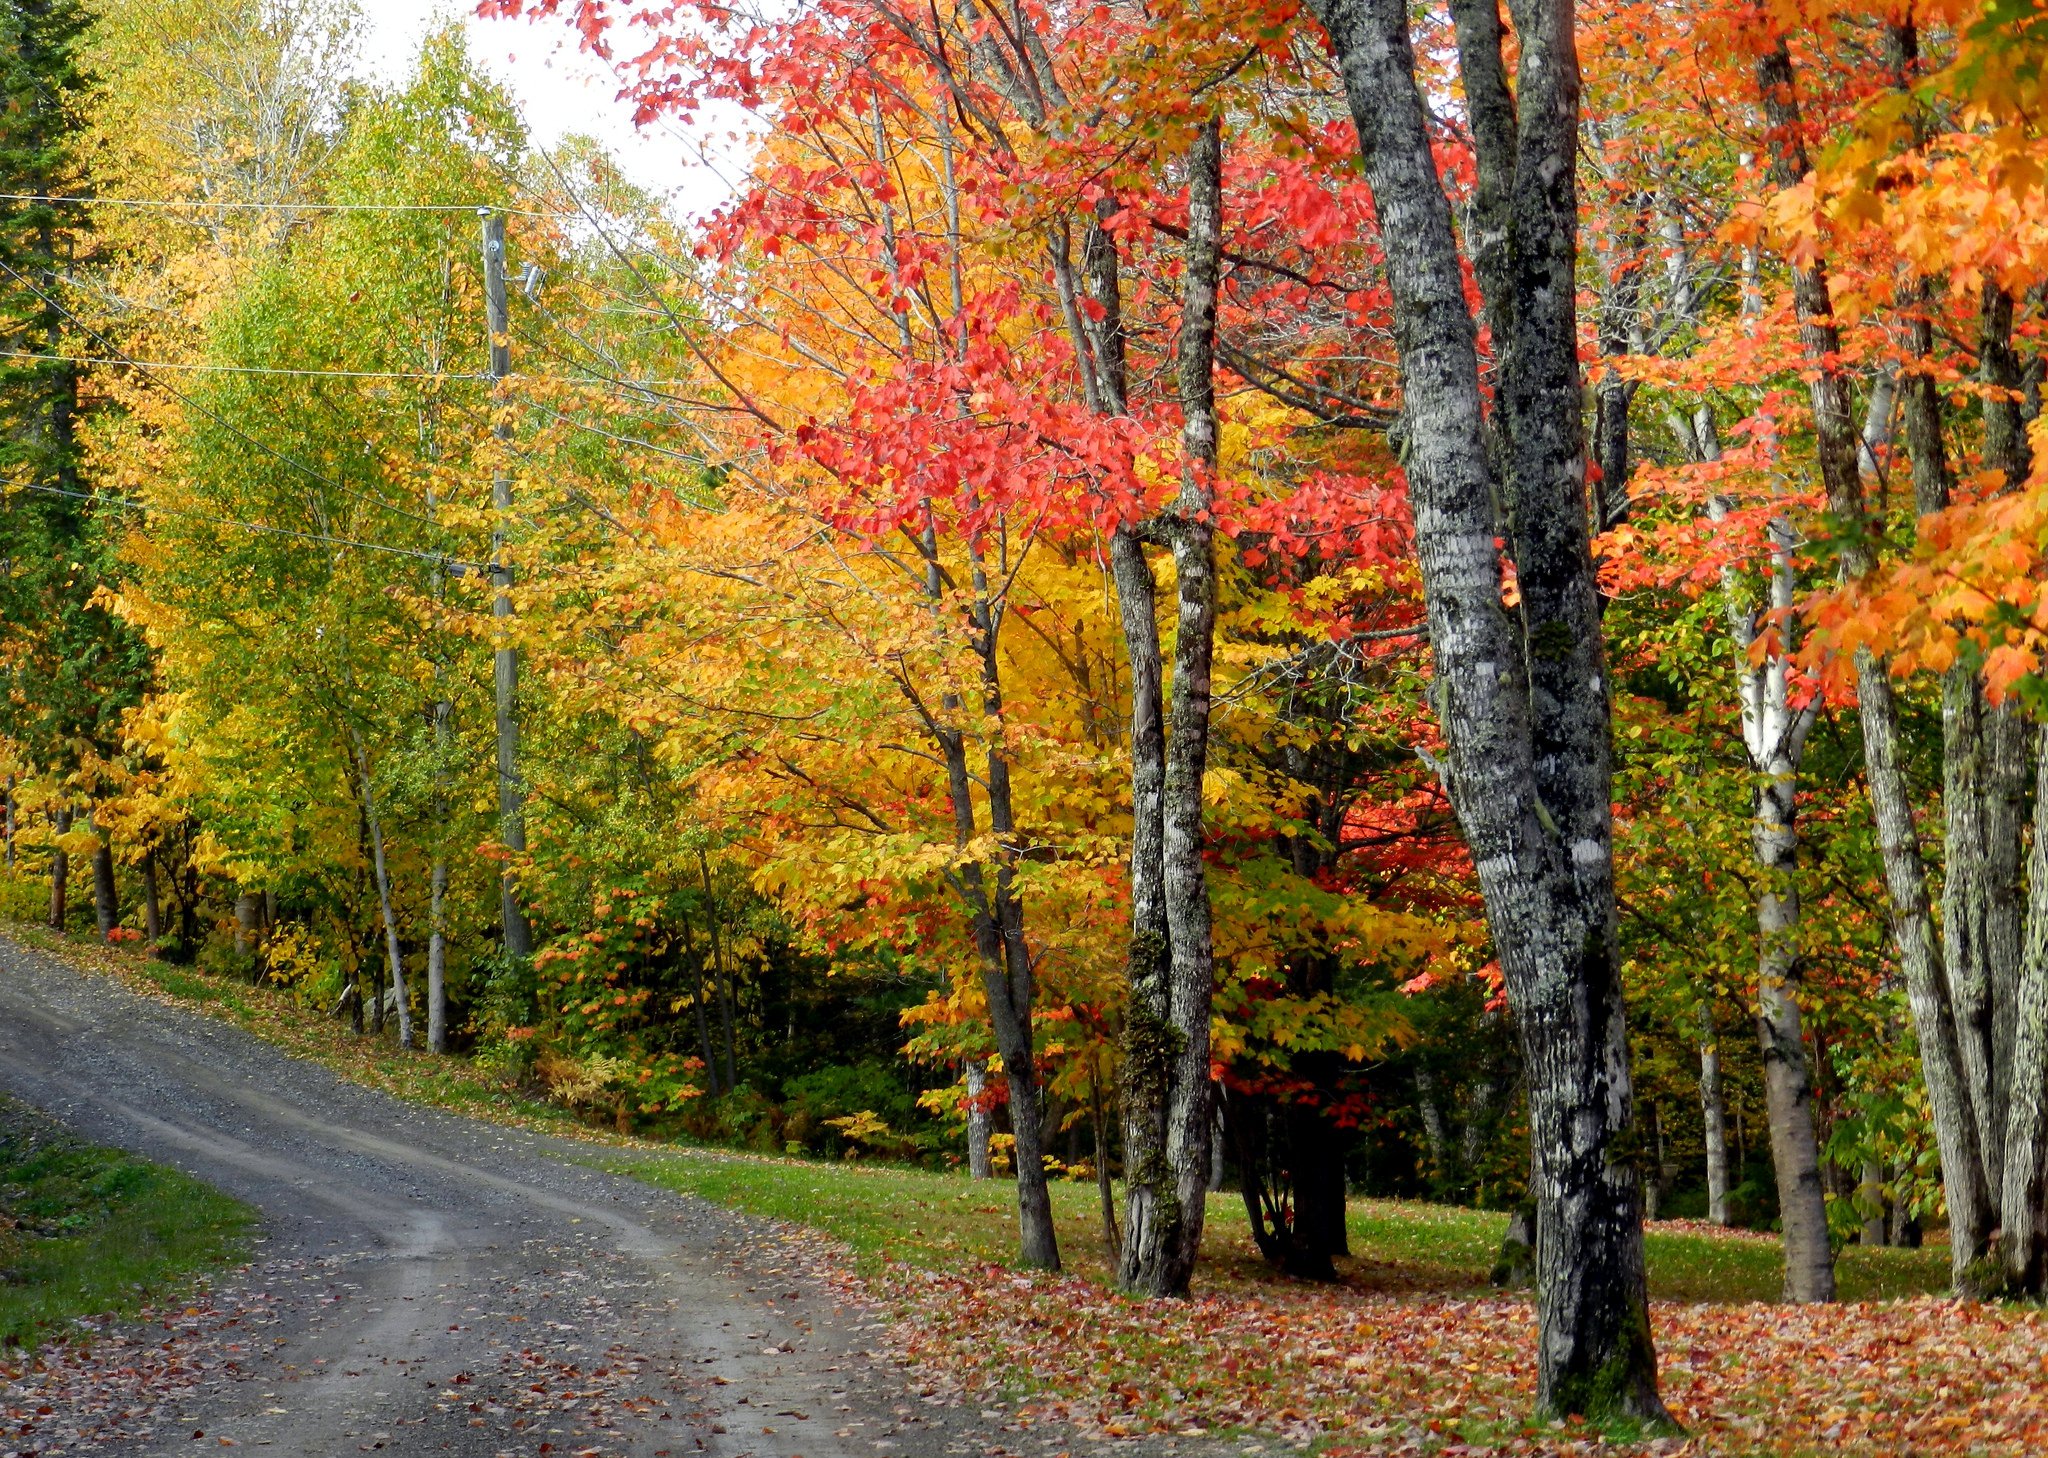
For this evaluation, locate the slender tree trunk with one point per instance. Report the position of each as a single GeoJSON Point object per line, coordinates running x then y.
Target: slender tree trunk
{"type": "Point", "coordinates": [1943, 1067]}
{"type": "Point", "coordinates": [1163, 1238]}
{"type": "Point", "coordinates": [391, 953]}
{"type": "Point", "coordinates": [1870, 1196]}
{"type": "Point", "coordinates": [1945, 1057]}
{"type": "Point", "coordinates": [152, 909]}
{"type": "Point", "coordinates": [1522, 700]}
{"type": "Point", "coordinates": [1105, 1185]}
{"type": "Point", "coordinates": [1713, 1117]}
{"type": "Point", "coordinates": [9, 811]}
{"type": "Point", "coordinates": [245, 924]}
{"type": "Point", "coordinates": [437, 956]}
{"type": "Point", "coordinates": [976, 1074]}
{"type": "Point", "coordinates": [1788, 1089]}
{"type": "Point", "coordinates": [437, 878]}
{"type": "Point", "coordinates": [1653, 1175]}
{"type": "Point", "coordinates": [1774, 734]}
{"type": "Point", "coordinates": [2024, 1244]}
{"type": "Point", "coordinates": [720, 976]}
{"type": "Point", "coordinates": [699, 1000]}
{"type": "Point", "coordinates": [1436, 1138]}
{"type": "Point", "coordinates": [60, 872]}
{"type": "Point", "coordinates": [106, 892]}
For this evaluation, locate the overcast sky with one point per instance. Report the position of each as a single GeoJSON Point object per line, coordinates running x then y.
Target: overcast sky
{"type": "Point", "coordinates": [561, 89]}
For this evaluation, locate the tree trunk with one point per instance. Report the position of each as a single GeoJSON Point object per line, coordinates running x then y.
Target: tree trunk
{"type": "Point", "coordinates": [1870, 1197]}
{"type": "Point", "coordinates": [978, 1167]}
{"type": "Point", "coordinates": [152, 908]}
{"type": "Point", "coordinates": [60, 872]}
{"type": "Point", "coordinates": [1167, 1167]}
{"type": "Point", "coordinates": [1523, 704]}
{"type": "Point", "coordinates": [1653, 1175]}
{"type": "Point", "coordinates": [1774, 734]}
{"type": "Point", "coordinates": [8, 810]}
{"type": "Point", "coordinates": [106, 893]}
{"type": "Point", "coordinates": [719, 975]}
{"type": "Point", "coordinates": [437, 957]}
{"type": "Point", "coordinates": [1316, 1163]}
{"type": "Point", "coordinates": [1945, 1055]}
{"type": "Point", "coordinates": [391, 953]}
{"type": "Point", "coordinates": [245, 924]}
{"type": "Point", "coordinates": [700, 998]}
{"type": "Point", "coordinates": [1105, 1187]}
{"type": "Point", "coordinates": [1788, 1090]}
{"type": "Point", "coordinates": [1713, 1117]}
{"type": "Point", "coordinates": [2024, 1244]}
{"type": "Point", "coordinates": [1943, 1067]}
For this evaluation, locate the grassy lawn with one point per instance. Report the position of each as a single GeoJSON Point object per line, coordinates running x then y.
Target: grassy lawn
{"type": "Point", "coordinates": [946, 1222]}
{"type": "Point", "coordinates": [86, 1231]}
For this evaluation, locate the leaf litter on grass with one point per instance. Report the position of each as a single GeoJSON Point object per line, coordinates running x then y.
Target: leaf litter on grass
{"type": "Point", "coordinates": [1351, 1373]}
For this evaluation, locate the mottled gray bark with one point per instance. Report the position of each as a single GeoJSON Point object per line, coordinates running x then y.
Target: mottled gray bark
{"type": "Point", "coordinates": [1774, 735]}
{"type": "Point", "coordinates": [1970, 1200]}
{"type": "Point", "coordinates": [1167, 1181]}
{"type": "Point", "coordinates": [394, 960]}
{"type": "Point", "coordinates": [1788, 1086]}
{"type": "Point", "coordinates": [2024, 1242]}
{"type": "Point", "coordinates": [976, 1076]}
{"type": "Point", "coordinates": [1713, 1117]}
{"type": "Point", "coordinates": [1956, 1118]}
{"type": "Point", "coordinates": [437, 956]}
{"type": "Point", "coordinates": [1523, 704]}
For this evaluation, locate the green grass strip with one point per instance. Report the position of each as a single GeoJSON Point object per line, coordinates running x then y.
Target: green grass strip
{"type": "Point", "coordinates": [90, 1231]}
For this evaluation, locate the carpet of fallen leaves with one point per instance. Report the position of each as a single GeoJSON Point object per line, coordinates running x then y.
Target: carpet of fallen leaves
{"type": "Point", "coordinates": [1357, 1373]}
{"type": "Point", "coordinates": [105, 1381]}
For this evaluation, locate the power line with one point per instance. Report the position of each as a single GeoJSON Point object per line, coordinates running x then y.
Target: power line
{"type": "Point", "coordinates": [173, 203]}
{"type": "Point", "coordinates": [228, 369]}
{"type": "Point", "coordinates": [103, 498]}
{"type": "Point", "coordinates": [179, 395]}
{"type": "Point", "coordinates": [122, 361]}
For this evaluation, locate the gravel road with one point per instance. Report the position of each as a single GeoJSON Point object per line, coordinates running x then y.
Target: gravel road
{"type": "Point", "coordinates": [426, 1283]}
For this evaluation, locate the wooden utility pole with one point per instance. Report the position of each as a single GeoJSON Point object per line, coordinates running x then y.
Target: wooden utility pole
{"type": "Point", "coordinates": [511, 794]}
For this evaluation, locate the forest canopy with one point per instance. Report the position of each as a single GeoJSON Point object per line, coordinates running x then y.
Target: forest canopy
{"type": "Point", "coordinates": [1322, 600]}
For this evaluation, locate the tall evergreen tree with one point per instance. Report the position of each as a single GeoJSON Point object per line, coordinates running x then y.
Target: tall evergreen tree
{"type": "Point", "coordinates": [67, 668]}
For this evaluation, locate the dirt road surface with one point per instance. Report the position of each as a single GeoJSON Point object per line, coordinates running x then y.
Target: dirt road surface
{"type": "Point", "coordinates": [430, 1284]}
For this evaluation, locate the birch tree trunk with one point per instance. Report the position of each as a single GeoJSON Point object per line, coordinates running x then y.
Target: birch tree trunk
{"type": "Point", "coordinates": [1774, 735]}
{"type": "Point", "coordinates": [976, 1073]}
{"type": "Point", "coordinates": [1167, 1197]}
{"type": "Point", "coordinates": [437, 956]}
{"type": "Point", "coordinates": [393, 960]}
{"type": "Point", "coordinates": [1713, 1118]}
{"type": "Point", "coordinates": [1788, 1087]}
{"type": "Point", "coordinates": [1945, 1054]}
{"type": "Point", "coordinates": [1523, 704]}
